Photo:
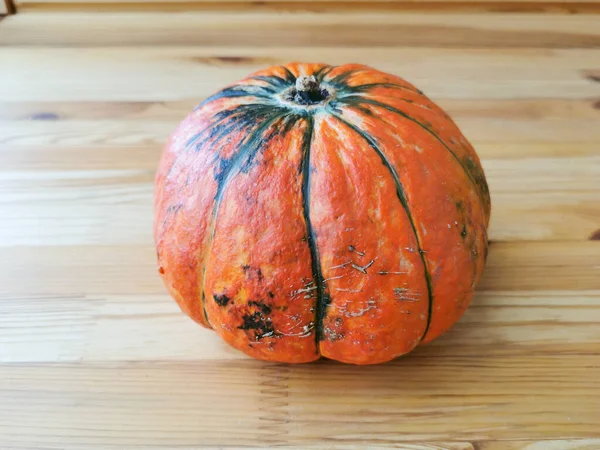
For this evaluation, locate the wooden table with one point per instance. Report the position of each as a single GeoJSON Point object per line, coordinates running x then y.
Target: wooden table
{"type": "Point", "coordinates": [95, 355]}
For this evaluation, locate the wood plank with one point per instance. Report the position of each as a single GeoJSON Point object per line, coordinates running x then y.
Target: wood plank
{"type": "Point", "coordinates": [541, 109]}
{"type": "Point", "coordinates": [115, 215]}
{"type": "Point", "coordinates": [103, 195]}
{"type": "Point", "coordinates": [546, 444]}
{"type": "Point", "coordinates": [123, 269]}
{"type": "Point", "coordinates": [150, 132]}
{"type": "Point", "coordinates": [273, 29]}
{"type": "Point", "coordinates": [48, 157]}
{"type": "Point", "coordinates": [110, 403]}
{"type": "Point", "coordinates": [122, 328]}
{"type": "Point", "coordinates": [176, 73]}
{"type": "Point", "coordinates": [488, 6]}
{"type": "Point", "coordinates": [571, 444]}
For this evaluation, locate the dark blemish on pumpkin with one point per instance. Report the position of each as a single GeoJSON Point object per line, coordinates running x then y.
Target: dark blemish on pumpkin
{"type": "Point", "coordinates": [459, 205]}
{"type": "Point", "coordinates": [45, 116]}
{"type": "Point", "coordinates": [270, 294]}
{"type": "Point", "coordinates": [463, 233]}
{"type": "Point", "coordinates": [255, 321]}
{"type": "Point", "coordinates": [595, 236]}
{"type": "Point", "coordinates": [265, 309]}
{"type": "Point", "coordinates": [161, 270]}
{"type": "Point", "coordinates": [470, 164]}
{"type": "Point", "coordinates": [250, 272]}
{"type": "Point", "coordinates": [221, 299]}
{"type": "Point", "coordinates": [262, 327]}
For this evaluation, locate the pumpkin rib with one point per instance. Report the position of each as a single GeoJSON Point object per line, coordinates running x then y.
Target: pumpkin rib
{"type": "Point", "coordinates": [480, 186]}
{"type": "Point", "coordinates": [369, 86]}
{"type": "Point", "coordinates": [291, 78]}
{"type": "Point", "coordinates": [322, 72]}
{"type": "Point", "coordinates": [238, 91]}
{"type": "Point", "coordinates": [226, 121]}
{"type": "Point", "coordinates": [260, 292]}
{"type": "Point", "coordinates": [434, 325]}
{"type": "Point", "coordinates": [222, 181]}
{"type": "Point", "coordinates": [216, 130]}
{"type": "Point", "coordinates": [208, 150]}
{"type": "Point", "coordinates": [360, 95]}
{"type": "Point", "coordinates": [404, 202]}
{"type": "Point", "coordinates": [273, 80]}
{"type": "Point", "coordinates": [340, 79]}
{"type": "Point", "coordinates": [322, 300]}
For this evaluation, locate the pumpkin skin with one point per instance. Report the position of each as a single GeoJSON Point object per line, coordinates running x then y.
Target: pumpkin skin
{"type": "Point", "coordinates": [342, 216]}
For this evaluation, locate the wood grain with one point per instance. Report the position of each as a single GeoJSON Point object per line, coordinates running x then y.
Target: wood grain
{"type": "Point", "coordinates": [95, 355]}
{"type": "Point", "coordinates": [81, 328]}
{"type": "Point", "coordinates": [274, 29]}
{"type": "Point", "coordinates": [104, 195]}
{"type": "Point", "coordinates": [276, 404]}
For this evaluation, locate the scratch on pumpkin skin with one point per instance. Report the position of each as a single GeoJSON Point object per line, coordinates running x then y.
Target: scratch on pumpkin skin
{"type": "Point", "coordinates": [341, 265]}
{"type": "Point", "coordinates": [334, 278]}
{"type": "Point", "coordinates": [404, 295]}
{"type": "Point", "coordinates": [404, 202]}
{"type": "Point", "coordinates": [363, 269]}
{"type": "Point", "coordinates": [300, 291]}
{"type": "Point", "coordinates": [348, 290]}
{"type": "Point", "coordinates": [306, 331]}
{"type": "Point", "coordinates": [353, 249]}
{"type": "Point", "coordinates": [371, 304]}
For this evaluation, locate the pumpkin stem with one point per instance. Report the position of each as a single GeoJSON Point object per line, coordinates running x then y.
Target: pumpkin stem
{"type": "Point", "coordinates": [307, 91]}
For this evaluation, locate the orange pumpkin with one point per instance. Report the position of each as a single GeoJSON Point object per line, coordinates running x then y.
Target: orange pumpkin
{"type": "Point", "coordinates": [313, 210]}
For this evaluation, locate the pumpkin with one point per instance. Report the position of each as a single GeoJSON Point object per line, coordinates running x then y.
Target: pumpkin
{"type": "Point", "coordinates": [312, 211]}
